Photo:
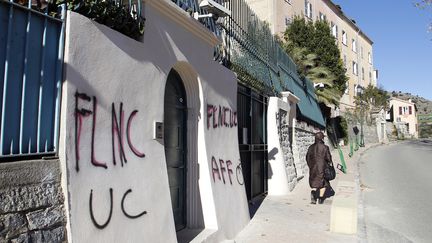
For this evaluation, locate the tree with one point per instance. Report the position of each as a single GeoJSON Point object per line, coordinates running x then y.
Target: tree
{"type": "Point", "coordinates": [372, 97]}
{"type": "Point", "coordinates": [314, 50]}
{"type": "Point", "coordinates": [307, 67]}
{"type": "Point", "coordinates": [425, 4]}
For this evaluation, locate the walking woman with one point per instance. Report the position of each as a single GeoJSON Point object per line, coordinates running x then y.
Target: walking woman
{"type": "Point", "coordinates": [318, 157]}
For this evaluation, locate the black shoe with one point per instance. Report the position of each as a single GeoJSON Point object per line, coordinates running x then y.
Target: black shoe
{"type": "Point", "coordinates": [313, 197]}
{"type": "Point", "coordinates": [321, 200]}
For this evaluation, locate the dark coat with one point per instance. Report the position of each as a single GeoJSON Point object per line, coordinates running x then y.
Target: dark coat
{"type": "Point", "coordinates": [317, 157]}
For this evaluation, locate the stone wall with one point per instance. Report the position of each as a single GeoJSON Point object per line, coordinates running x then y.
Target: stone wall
{"type": "Point", "coordinates": [370, 134]}
{"type": "Point", "coordinates": [285, 138]}
{"type": "Point", "coordinates": [31, 202]}
{"type": "Point", "coordinates": [305, 137]}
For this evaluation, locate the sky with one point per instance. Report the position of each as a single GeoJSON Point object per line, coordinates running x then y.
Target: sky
{"type": "Point", "coordinates": [402, 46]}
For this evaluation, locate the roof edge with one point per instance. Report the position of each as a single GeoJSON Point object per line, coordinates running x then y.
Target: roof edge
{"type": "Point", "coordinates": [341, 14]}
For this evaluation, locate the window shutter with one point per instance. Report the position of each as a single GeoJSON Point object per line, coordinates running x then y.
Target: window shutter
{"type": "Point", "coordinates": [410, 110]}
{"type": "Point", "coordinates": [400, 110]}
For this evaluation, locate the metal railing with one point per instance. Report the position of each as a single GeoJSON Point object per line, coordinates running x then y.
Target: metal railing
{"type": "Point", "coordinates": [31, 60]}
{"type": "Point", "coordinates": [252, 46]}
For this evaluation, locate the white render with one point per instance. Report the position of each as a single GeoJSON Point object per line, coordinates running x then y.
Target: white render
{"type": "Point", "coordinates": [405, 119]}
{"type": "Point", "coordinates": [278, 177]}
{"type": "Point", "coordinates": [115, 69]}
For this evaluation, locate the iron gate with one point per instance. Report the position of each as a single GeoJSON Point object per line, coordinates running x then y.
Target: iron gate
{"type": "Point", "coordinates": [31, 59]}
{"type": "Point", "coordinates": [252, 130]}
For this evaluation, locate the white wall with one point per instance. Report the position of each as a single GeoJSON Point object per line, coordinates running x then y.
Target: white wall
{"type": "Point", "coordinates": [278, 183]}
{"type": "Point", "coordinates": [113, 71]}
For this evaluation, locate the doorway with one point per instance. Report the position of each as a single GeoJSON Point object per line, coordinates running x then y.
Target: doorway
{"type": "Point", "coordinates": [175, 141]}
{"type": "Point", "coordinates": [252, 134]}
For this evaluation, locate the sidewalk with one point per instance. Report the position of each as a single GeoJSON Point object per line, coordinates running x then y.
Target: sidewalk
{"type": "Point", "coordinates": [292, 218]}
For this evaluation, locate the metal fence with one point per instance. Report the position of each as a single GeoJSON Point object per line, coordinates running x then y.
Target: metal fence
{"type": "Point", "coordinates": [31, 59]}
{"type": "Point", "coordinates": [253, 47]}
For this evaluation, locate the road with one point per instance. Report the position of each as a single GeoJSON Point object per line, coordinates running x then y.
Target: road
{"type": "Point", "coordinates": [396, 185]}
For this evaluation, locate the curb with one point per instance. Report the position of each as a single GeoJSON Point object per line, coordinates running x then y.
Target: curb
{"type": "Point", "coordinates": [362, 233]}
{"type": "Point", "coordinates": [346, 210]}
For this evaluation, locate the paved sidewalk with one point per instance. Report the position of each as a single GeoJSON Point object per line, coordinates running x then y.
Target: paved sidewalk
{"type": "Point", "coordinates": [292, 218]}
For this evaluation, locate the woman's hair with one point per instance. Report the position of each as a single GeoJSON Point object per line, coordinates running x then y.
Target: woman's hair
{"type": "Point", "coordinates": [319, 136]}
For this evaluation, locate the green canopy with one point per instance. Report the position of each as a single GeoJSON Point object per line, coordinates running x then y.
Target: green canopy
{"type": "Point", "coordinates": [308, 107]}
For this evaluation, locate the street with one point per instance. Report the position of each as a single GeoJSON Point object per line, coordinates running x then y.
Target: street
{"type": "Point", "coordinates": [396, 193]}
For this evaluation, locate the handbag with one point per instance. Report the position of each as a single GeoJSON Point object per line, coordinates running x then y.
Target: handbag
{"type": "Point", "coordinates": [329, 172]}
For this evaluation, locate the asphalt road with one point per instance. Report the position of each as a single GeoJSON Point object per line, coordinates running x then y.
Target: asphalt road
{"type": "Point", "coordinates": [396, 185]}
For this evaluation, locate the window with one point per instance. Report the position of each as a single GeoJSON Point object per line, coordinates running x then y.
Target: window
{"type": "Point", "coordinates": [345, 61]}
{"type": "Point", "coordinates": [354, 45]}
{"type": "Point", "coordinates": [322, 16]}
{"type": "Point", "coordinates": [369, 58]}
{"type": "Point", "coordinates": [405, 110]}
{"type": "Point", "coordinates": [370, 77]}
{"type": "Point", "coordinates": [287, 21]}
{"type": "Point", "coordinates": [363, 76]}
{"type": "Point", "coordinates": [334, 29]}
{"type": "Point", "coordinates": [308, 9]}
{"type": "Point", "coordinates": [344, 37]}
{"type": "Point", "coordinates": [355, 66]}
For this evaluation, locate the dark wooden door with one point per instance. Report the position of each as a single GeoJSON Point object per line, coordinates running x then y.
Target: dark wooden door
{"type": "Point", "coordinates": [175, 114]}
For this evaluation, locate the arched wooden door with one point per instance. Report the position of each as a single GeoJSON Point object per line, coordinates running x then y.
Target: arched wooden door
{"type": "Point", "coordinates": [175, 115]}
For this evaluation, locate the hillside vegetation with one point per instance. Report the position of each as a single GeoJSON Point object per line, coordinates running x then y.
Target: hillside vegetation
{"type": "Point", "coordinates": [424, 106]}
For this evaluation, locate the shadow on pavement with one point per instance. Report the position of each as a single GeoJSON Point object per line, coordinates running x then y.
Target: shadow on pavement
{"type": "Point", "coordinates": [255, 203]}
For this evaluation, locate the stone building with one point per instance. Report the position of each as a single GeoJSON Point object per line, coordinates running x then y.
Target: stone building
{"type": "Point", "coordinates": [355, 46]}
{"type": "Point", "coordinates": [403, 115]}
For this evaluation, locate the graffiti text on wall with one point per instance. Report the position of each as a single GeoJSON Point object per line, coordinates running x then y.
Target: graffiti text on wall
{"type": "Point", "coordinates": [220, 116]}
{"type": "Point", "coordinates": [223, 171]}
{"type": "Point", "coordinates": [117, 131]}
{"type": "Point", "coordinates": [107, 221]}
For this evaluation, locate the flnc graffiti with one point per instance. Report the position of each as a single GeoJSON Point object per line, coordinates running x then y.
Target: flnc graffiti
{"type": "Point", "coordinates": [117, 131]}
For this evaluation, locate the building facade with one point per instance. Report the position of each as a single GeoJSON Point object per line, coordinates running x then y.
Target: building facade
{"type": "Point", "coordinates": [355, 46]}
{"type": "Point", "coordinates": [403, 115]}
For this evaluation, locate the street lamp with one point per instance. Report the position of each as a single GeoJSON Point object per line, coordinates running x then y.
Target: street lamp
{"type": "Point", "coordinates": [360, 93]}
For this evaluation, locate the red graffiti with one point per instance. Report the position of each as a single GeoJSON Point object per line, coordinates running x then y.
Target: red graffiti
{"type": "Point", "coordinates": [134, 150]}
{"type": "Point", "coordinates": [93, 158]}
{"type": "Point", "coordinates": [226, 117]}
{"type": "Point", "coordinates": [215, 169]}
{"type": "Point", "coordinates": [117, 131]}
{"type": "Point", "coordinates": [224, 167]}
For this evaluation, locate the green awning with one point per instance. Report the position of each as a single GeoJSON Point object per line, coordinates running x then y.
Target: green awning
{"type": "Point", "coordinates": [308, 108]}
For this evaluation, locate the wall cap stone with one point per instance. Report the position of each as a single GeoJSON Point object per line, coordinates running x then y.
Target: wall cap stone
{"type": "Point", "coordinates": [173, 12]}
{"type": "Point", "coordinates": [29, 172]}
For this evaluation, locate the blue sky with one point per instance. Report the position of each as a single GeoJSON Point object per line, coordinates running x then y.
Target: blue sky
{"type": "Point", "coordinates": [402, 45]}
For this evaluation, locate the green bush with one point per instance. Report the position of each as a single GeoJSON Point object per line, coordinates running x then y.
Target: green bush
{"type": "Point", "coordinates": [114, 15]}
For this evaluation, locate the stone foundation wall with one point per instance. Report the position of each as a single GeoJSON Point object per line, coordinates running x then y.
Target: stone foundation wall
{"type": "Point", "coordinates": [285, 141]}
{"type": "Point", "coordinates": [31, 202]}
{"type": "Point", "coordinates": [305, 137]}
{"type": "Point", "coordinates": [370, 134]}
